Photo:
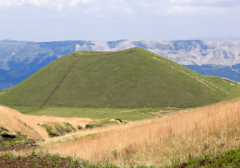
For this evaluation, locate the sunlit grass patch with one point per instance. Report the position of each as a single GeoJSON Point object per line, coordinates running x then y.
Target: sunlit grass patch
{"type": "Point", "coordinates": [160, 142]}
{"type": "Point", "coordinates": [132, 114]}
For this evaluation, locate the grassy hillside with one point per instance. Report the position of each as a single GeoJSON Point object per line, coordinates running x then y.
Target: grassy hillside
{"type": "Point", "coordinates": [167, 141]}
{"type": "Point", "coordinates": [128, 78]}
{"type": "Point", "coordinates": [205, 137]}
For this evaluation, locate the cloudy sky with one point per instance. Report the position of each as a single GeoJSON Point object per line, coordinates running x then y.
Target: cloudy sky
{"type": "Point", "coordinates": [105, 20]}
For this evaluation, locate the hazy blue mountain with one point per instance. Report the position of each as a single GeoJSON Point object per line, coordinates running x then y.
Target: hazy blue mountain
{"type": "Point", "coordinates": [232, 73]}
{"type": "Point", "coordinates": [20, 59]}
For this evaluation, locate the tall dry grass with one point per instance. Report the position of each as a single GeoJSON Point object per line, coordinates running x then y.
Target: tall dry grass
{"type": "Point", "coordinates": [158, 142]}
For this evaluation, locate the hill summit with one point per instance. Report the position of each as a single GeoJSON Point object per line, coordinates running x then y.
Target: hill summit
{"type": "Point", "coordinates": [127, 78]}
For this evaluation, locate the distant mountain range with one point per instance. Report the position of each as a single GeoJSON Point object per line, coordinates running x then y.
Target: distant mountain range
{"type": "Point", "coordinates": [20, 59]}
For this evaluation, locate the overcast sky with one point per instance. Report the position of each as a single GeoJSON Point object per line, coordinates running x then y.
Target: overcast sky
{"type": "Point", "coordinates": [105, 20]}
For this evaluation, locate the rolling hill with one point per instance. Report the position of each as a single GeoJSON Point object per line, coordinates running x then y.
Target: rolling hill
{"type": "Point", "coordinates": [129, 78]}
{"type": "Point", "coordinates": [20, 59]}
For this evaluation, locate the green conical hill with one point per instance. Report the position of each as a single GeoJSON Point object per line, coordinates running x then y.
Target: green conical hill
{"type": "Point", "coordinates": [128, 78]}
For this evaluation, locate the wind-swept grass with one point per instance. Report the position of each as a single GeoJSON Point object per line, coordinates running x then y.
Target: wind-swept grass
{"type": "Point", "coordinates": [164, 141]}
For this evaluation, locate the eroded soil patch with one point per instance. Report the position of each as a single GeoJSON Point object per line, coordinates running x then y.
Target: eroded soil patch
{"type": "Point", "coordinates": [20, 146]}
{"type": "Point", "coordinates": [33, 161]}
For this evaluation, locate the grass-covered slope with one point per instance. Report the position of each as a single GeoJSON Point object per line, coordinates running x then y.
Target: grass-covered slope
{"type": "Point", "coordinates": [128, 78]}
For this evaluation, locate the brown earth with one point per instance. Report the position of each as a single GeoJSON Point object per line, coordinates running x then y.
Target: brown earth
{"type": "Point", "coordinates": [33, 161]}
{"type": "Point", "coordinates": [17, 147]}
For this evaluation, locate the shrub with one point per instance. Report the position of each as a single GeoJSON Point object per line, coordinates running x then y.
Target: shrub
{"type": "Point", "coordinates": [93, 125]}
{"type": "Point", "coordinates": [51, 133]}
{"type": "Point", "coordinates": [118, 119]}
{"type": "Point", "coordinates": [69, 127]}
{"type": "Point", "coordinates": [60, 129]}
{"type": "Point", "coordinates": [80, 127]}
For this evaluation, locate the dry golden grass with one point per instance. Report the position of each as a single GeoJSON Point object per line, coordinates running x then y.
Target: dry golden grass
{"type": "Point", "coordinates": [30, 125]}
{"type": "Point", "coordinates": [158, 142]}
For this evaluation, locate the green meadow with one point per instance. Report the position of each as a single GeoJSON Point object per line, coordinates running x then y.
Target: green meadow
{"type": "Point", "coordinates": [130, 114]}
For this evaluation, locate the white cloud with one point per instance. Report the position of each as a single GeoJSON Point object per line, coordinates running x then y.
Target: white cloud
{"type": "Point", "coordinates": [21, 2]}
{"type": "Point", "coordinates": [180, 2]}
{"type": "Point", "coordinates": [180, 7]}
{"type": "Point", "coordinates": [76, 2]}
{"type": "Point", "coordinates": [215, 3]}
{"type": "Point", "coordinates": [128, 10]}
{"type": "Point", "coordinates": [95, 8]}
{"type": "Point", "coordinates": [59, 6]}
{"type": "Point", "coordinates": [109, 8]}
{"type": "Point", "coordinates": [44, 2]}
{"type": "Point", "coordinates": [118, 19]}
{"type": "Point", "coordinates": [205, 10]}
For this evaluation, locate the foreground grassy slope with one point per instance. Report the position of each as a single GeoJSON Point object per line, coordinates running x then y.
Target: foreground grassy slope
{"type": "Point", "coordinates": [165, 141]}
{"type": "Point", "coordinates": [205, 137]}
{"type": "Point", "coordinates": [129, 78]}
